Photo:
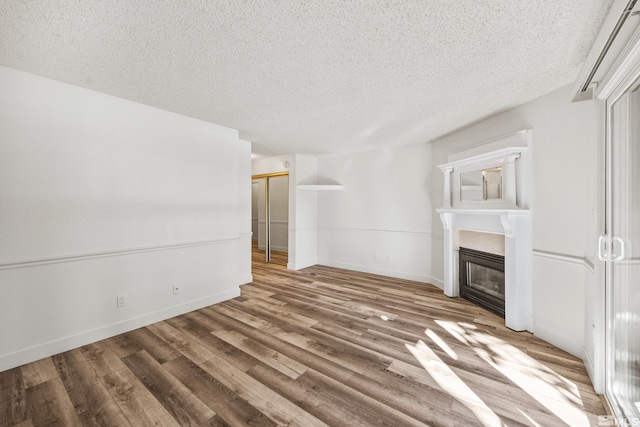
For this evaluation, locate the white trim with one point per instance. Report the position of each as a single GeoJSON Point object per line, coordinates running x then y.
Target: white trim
{"type": "Point", "coordinates": [378, 271]}
{"type": "Point", "coordinates": [599, 312]}
{"type": "Point", "coordinates": [93, 255]}
{"type": "Point", "coordinates": [566, 258]}
{"type": "Point", "coordinates": [498, 156]}
{"type": "Point", "coordinates": [303, 227]}
{"type": "Point", "coordinates": [611, 21]}
{"type": "Point", "coordinates": [623, 72]}
{"type": "Point", "coordinates": [31, 354]}
{"type": "Point", "coordinates": [481, 147]}
{"type": "Point", "coordinates": [561, 341]}
{"type": "Point", "coordinates": [437, 282]}
{"type": "Point", "coordinates": [320, 187]}
{"type": "Point", "coordinates": [373, 230]}
{"type": "Point", "coordinates": [589, 365]}
{"type": "Point", "coordinates": [246, 279]}
{"type": "Point", "coordinates": [298, 266]}
{"type": "Point", "coordinates": [485, 211]}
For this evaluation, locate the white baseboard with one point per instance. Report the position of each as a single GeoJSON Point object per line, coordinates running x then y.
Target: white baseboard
{"type": "Point", "coordinates": [299, 266]}
{"type": "Point", "coordinates": [437, 283]}
{"type": "Point", "coordinates": [565, 343]}
{"type": "Point", "coordinates": [246, 279]}
{"type": "Point", "coordinates": [374, 270]}
{"type": "Point", "coordinates": [18, 358]}
{"type": "Point", "coordinates": [589, 366]}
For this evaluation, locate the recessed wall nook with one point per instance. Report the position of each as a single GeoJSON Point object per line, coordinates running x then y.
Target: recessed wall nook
{"type": "Point", "coordinates": [487, 191]}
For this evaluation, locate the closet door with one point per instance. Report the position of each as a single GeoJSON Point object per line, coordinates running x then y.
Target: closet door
{"type": "Point", "coordinates": [271, 204]}
{"type": "Point", "coordinates": [278, 217]}
{"type": "Point", "coordinates": [621, 246]}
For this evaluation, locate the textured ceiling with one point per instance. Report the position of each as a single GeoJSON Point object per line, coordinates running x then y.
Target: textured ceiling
{"type": "Point", "coordinates": [311, 77]}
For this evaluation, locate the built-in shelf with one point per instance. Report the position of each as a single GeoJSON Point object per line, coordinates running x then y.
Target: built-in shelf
{"type": "Point", "coordinates": [321, 187]}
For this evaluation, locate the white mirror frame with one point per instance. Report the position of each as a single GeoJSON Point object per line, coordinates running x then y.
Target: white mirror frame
{"type": "Point", "coordinates": [504, 158]}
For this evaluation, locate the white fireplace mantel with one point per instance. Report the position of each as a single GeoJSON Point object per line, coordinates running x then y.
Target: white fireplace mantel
{"type": "Point", "coordinates": [508, 215]}
{"type": "Point", "coordinates": [515, 224]}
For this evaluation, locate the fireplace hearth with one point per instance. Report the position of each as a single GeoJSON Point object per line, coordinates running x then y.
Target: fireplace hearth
{"type": "Point", "coordinates": [482, 279]}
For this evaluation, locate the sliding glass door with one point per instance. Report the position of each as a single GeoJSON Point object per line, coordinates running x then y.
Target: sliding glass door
{"type": "Point", "coordinates": [620, 249]}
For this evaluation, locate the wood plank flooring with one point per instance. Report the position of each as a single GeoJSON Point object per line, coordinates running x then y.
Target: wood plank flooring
{"type": "Point", "coordinates": [317, 347]}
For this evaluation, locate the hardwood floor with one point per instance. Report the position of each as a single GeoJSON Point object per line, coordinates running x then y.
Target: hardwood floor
{"type": "Point", "coordinates": [320, 346]}
{"type": "Point", "coordinates": [277, 257]}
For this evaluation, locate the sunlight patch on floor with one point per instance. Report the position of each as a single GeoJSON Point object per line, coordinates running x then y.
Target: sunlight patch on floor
{"type": "Point", "coordinates": [531, 420]}
{"type": "Point", "coordinates": [452, 384]}
{"type": "Point", "coordinates": [554, 392]}
{"type": "Point", "coordinates": [440, 342]}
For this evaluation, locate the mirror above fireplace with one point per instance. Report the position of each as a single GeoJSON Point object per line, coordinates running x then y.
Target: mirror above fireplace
{"type": "Point", "coordinates": [478, 185]}
{"type": "Point", "coordinates": [490, 176]}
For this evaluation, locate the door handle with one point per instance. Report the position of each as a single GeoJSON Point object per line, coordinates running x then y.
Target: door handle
{"type": "Point", "coordinates": [621, 255]}
{"type": "Point", "coordinates": [603, 255]}
{"type": "Point", "coordinates": [606, 246]}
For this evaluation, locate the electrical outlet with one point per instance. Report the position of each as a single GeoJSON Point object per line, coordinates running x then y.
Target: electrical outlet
{"type": "Point", "coordinates": [122, 301]}
{"type": "Point", "coordinates": [176, 289]}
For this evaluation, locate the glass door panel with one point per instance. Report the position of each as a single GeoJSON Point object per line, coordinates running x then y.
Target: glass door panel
{"type": "Point", "coordinates": [623, 264]}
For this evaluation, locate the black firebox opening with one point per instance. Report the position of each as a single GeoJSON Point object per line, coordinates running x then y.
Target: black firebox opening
{"type": "Point", "coordinates": [482, 279]}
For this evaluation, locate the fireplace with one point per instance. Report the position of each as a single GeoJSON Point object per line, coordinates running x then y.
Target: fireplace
{"type": "Point", "coordinates": [482, 279]}
{"type": "Point", "coordinates": [506, 213]}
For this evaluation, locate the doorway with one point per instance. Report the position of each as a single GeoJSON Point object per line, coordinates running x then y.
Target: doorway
{"type": "Point", "coordinates": [270, 216]}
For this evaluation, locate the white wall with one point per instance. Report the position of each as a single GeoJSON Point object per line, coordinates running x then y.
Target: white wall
{"type": "Point", "coordinates": [564, 204]}
{"type": "Point", "coordinates": [381, 222]}
{"type": "Point", "coordinates": [103, 197]}
{"type": "Point", "coordinates": [303, 218]}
